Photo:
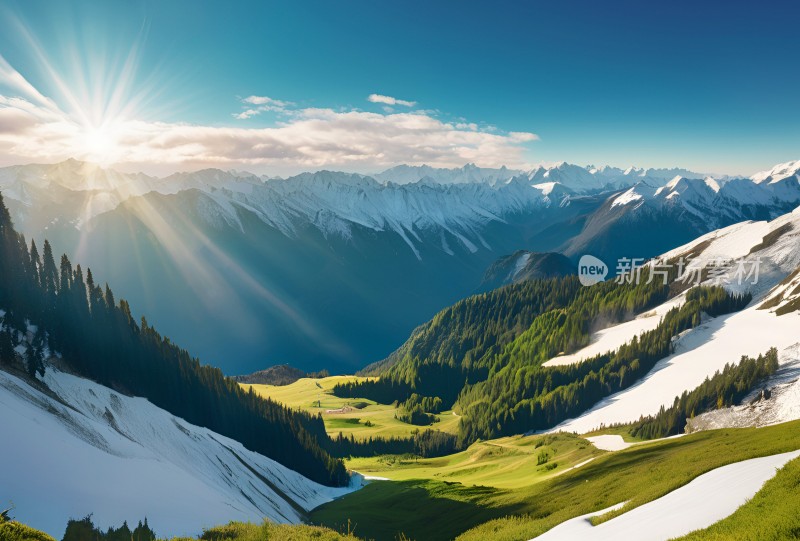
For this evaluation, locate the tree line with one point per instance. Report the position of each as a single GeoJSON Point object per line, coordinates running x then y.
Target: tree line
{"type": "Point", "coordinates": [523, 395]}
{"type": "Point", "coordinates": [722, 390]}
{"type": "Point", "coordinates": [426, 443]}
{"type": "Point", "coordinates": [85, 530]}
{"type": "Point", "coordinates": [483, 356]}
{"type": "Point", "coordinates": [100, 339]}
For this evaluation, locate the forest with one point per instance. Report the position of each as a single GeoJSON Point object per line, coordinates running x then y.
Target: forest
{"type": "Point", "coordinates": [100, 339]}
{"type": "Point", "coordinates": [483, 356]}
{"type": "Point", "coordinates": [522, 395]}
{"type": "Point", "coordinates": [427, 444]}
{"type": "Point", "coordinates": [722, 390]}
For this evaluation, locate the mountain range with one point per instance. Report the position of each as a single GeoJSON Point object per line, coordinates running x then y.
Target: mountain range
{"type": "Point", "coordinates": [332, 270]}
{"type": "Point", "coordinates": [485, 355]}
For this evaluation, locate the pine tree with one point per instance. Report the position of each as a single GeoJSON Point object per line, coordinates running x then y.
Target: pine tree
{"type": "Point", "coordinates": [36, 262]}
{"type": "Point", "coordinates": [7, 353]}
{"type": "Point", "coordinates": [33, 360]}
{"type": "Point", "coordinates": [49, 271]}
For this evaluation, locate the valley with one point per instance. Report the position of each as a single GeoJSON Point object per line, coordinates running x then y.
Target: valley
{"type": "Point", "coordinates": [505, 415]}
{"type": "Point", "coordinates": [381, 271]}
{"type": "Point", "coordinates": [361, 418]}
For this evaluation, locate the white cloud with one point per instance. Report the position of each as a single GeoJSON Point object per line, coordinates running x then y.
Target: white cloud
{"type": "Point", "coordinates": [262, 104]}
{"type": "Point", "coordinates": [264, 100]}
{"type": "Point", "coordinates": [388, 100]}
{"type": "Point", "coordinates": [35, 129]}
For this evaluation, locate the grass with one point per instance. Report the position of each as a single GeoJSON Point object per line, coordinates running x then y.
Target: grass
{"type": "Point", "coordinates": [618, 430]}
{"type": "Point", "coordinates": [772, 514]}
{"type": "Point", "coordinates": [240, 531]}
{"type": "Point", "coordinates": [433, 510]}
{"type": "Point", "coordinates": [511, 462]}
{"type": "Point", "coordinates": [316, 396]}
{"type": "Point", "coordinates": [15, 531]}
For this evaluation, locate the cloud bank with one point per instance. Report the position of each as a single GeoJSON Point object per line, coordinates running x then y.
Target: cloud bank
{"type": "Point", "coordinates": [388, 100]}
{"type": "Point", "coordinates": [302, 138]}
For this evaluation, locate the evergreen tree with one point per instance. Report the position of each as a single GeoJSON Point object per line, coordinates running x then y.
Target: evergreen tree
{"type": "Point", "coordinates": [142, 532]}
{"type": "Point", "coordinates": [100, 339]}
{"type": "Point", "coordinates": [7, 353]}
{"type": "Point", "coordinates": [49, 271]}
{"type": "Point", "coordinates": [81, 530]}
{"type": "Point", "coordinates": [33, 360]}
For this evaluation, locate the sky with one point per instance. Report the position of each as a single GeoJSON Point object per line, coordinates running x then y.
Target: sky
{"type": "Point", "coordinates": [282, 87]}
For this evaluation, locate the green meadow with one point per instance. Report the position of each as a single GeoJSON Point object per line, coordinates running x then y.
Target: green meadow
{"type": "Point", "coordinates": [435, 509]}
{"type": "Point", "coordinates": [360, 417]}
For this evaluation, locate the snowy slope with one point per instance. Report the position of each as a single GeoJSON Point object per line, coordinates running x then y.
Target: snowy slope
{"type": "Point", "coordinates": [719, 201]}
{"type": "Point", "coordinates": [408, 200]}
{"type": "Point", "coordinates": [702, 351]}
{"type": "Point", "coordinates": [611, 338]}
{"type": "Point", "coordinates": [88, 449]}
{"type": "Point", "coordinates": [407, 174]}
{"type": "Point", "coordinates": [700, 503]}
{"type": "Point", "coordinates": [776, 400]}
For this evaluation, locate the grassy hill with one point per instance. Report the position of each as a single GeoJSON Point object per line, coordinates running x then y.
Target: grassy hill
{"type": "Point", "coordinates": [428, 506]}
{"type": "Point", "coordinates": [238, 531]}
{"type": "Point", "coordinates": [433, 509]}
{"type": "Point", "coordinates": [346, 415]}
{"type": "Point", "coordinates": [508, 463]}
{"type": "Point", "coordinates": [14, 531]}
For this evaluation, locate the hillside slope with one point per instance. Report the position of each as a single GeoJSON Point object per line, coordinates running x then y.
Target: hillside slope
{"type": "Point", "coordinates": [302, 270]}
{"type": "Point", "coordinates": [525, 265]}
{"type": "Point", "coordinates": [771, 320]}
{"type": "Point", "coordinates": [89, 449]}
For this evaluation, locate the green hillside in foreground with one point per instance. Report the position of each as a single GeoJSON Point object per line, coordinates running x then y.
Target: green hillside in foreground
{"type": "Point", "coordinates": [433, 510]}
{"type": "Point", "coordinates": [239, 531]}
{"type": "Point", "coordinates": [234, 531]}
{"type": "Point", "coordinates": [428, 509]}
{"type": "Point", "coordinates": [14, 531]}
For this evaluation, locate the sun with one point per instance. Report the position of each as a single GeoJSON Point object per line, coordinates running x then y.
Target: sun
{"type": "Point", "coordinates": [99, 144]}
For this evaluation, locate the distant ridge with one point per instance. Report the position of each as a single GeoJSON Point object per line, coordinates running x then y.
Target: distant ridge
{"type": "Point", "coordinates": [282, 374]}
{"type": "Point", "coordinates": [525, 265]}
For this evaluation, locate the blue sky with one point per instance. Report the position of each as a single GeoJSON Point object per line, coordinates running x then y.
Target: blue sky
{"type": "Point", "coordinates": [711, 86]}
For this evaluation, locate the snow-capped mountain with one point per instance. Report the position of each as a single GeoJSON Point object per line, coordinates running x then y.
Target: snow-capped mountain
{"type": "Point", "coordinates": [408, 174]}
{"type": "Point", "coordinates": [778, 173]}
{"type": "Point", "coordinates": [336, 203]}
{"type": "Point", "coordinates": [71, 193]}
{"type": "Point", "coordinates": [650, 215]}
{"type": "Point", "coordinates": [403, 199]}
{"type": "Point", "coordinates": [94, 450]}
{"type": "Point", "coordinates": [772, 319]}
{"type": "Point", "coordinates": [332, 270]}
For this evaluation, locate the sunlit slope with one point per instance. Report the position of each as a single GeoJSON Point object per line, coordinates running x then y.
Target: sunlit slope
{"type": "Point", "coordinates": [347, 415]}
{"type": "Point", "coordinates": [770, 320]}
{"type": "Point", "coordinates": [437, 510]}
{"type": "Point", "coordinates": [78, 447]}
{"type": "Point", "coordinates": [513, 462]}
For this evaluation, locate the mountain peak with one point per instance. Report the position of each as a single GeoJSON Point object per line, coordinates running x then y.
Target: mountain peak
{"type": "Point", "coordinates": [779, 172]}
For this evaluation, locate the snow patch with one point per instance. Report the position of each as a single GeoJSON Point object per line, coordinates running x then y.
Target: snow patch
{"type": "Point", "coordinates": [96, 451]}
{"type": "Point", "coordinates": [610, 339]}
{"type": "Point", "coordinates": [705, 500]}
{"type": "Point", "coordinates": [609, 442]}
